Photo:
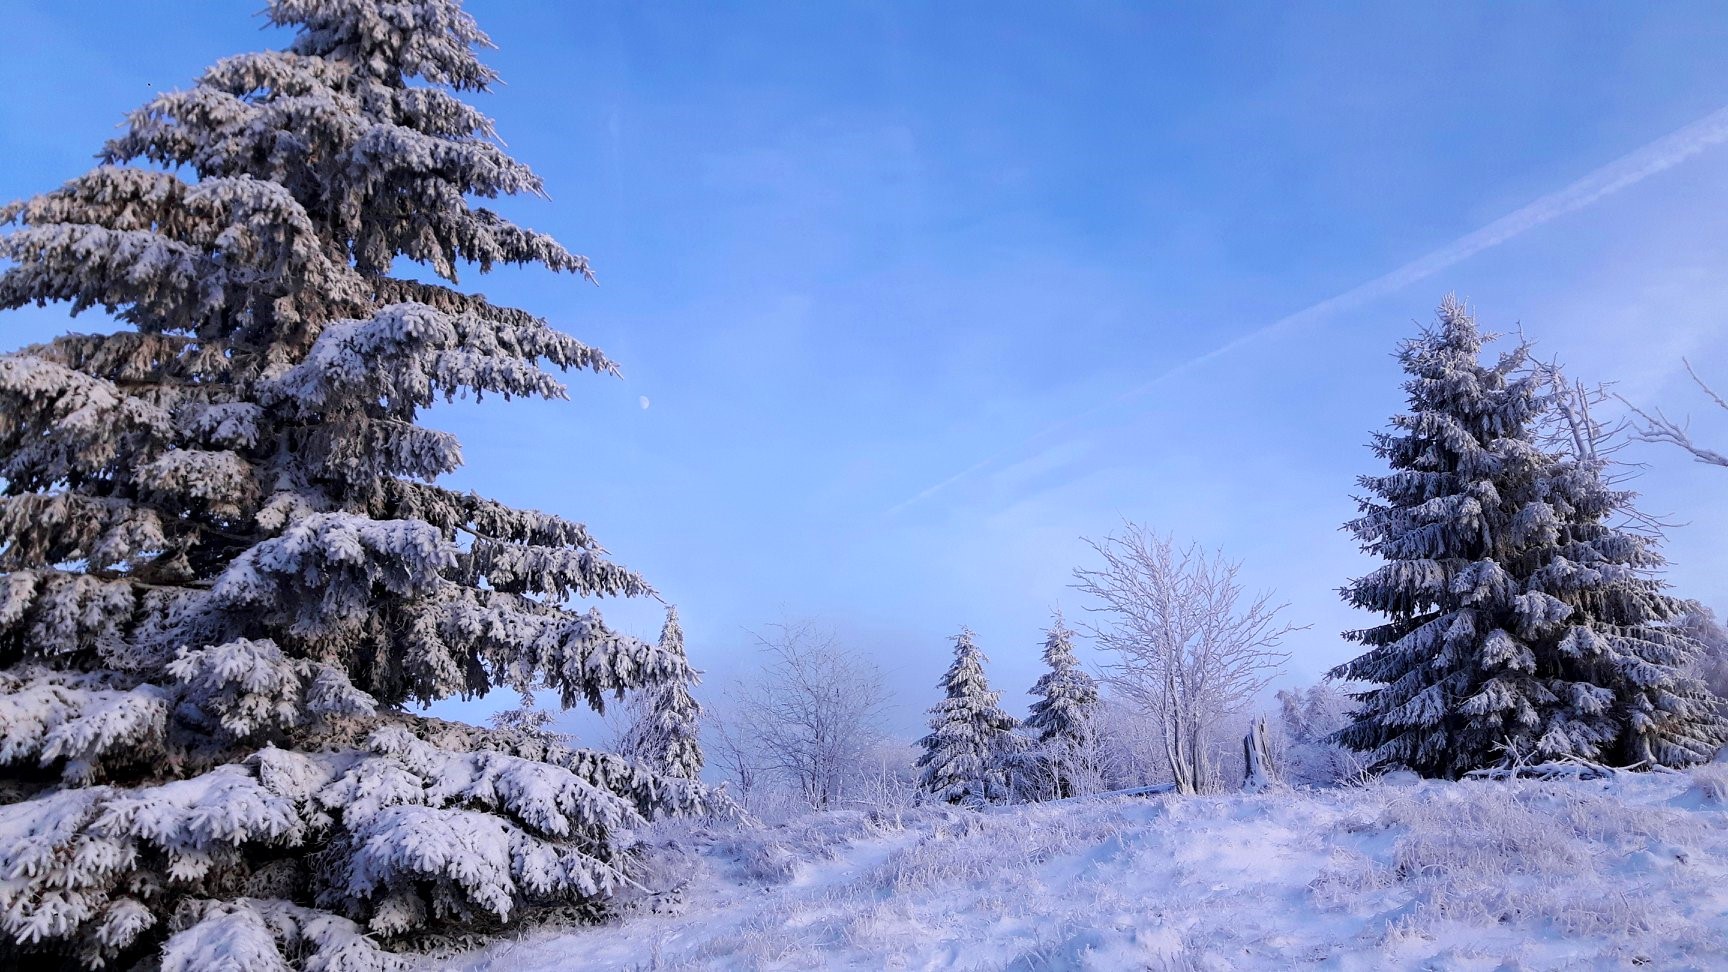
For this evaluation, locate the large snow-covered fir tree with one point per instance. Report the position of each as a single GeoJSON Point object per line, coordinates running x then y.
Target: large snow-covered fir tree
{"type": "Point", "coordinates": [1522, 625]}
{"type": "Point", "coordinates": [665, 728]}
{"type": "Point", "coordinates": [1064, 710]}
{"type": "Point", "coordinates": [964, 755]}
{"type": "Point", "coordinates": [225, 569]}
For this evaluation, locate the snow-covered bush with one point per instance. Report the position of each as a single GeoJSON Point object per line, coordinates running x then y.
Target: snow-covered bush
{"type": "Point", "coordinates": [226, 568]}
{"type": "Point", "coordinates": [1701, 625]}
{"type": "Point", "coordinates": [1305, 752]}
{"type": "Point", "coordinates": [1521, 624]}
{"type": "Point", "coordinates": [1528, 854]}
{"type": "Point", "coordinates": [773, 854]}
{"type": "Point", "coordinates": [1130, 746]}
{"type": "Point", "coordinates": [887, 781]}
{"type": "Point", "coordinates": [1710, 782]}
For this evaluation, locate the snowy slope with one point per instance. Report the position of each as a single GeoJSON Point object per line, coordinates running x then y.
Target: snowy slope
{"type": "Point", "coordinates": [1624, 873]}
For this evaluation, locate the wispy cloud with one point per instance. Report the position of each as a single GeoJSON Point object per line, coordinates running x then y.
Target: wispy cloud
{"type": "Point", "coordinates": [1657, 156]}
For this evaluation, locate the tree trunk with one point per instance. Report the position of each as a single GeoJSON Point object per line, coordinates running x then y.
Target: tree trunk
{"type": "Point", "coordinates": [1257, 772]}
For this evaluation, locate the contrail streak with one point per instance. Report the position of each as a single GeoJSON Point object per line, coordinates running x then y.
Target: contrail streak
{"type": "Point", "coordinates": [1662, 154]}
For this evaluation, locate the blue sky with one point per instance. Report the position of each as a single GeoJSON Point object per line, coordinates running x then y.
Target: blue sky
{"type": "Point", "coordinates": [887, 274]}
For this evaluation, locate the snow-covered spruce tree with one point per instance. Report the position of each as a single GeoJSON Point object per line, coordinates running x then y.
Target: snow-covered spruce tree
{"type": "Point", "coordinates": [1521, 625]}
{"type": "Point", "coordinates": [970, 736]}
{"type": "Point", "coordinates": [665, 730]}
{"type": "Point", "coordinates": [225, 569]}
{"type": "Point", "coordinates": [528, 719]}
{"type": "Point", "coordinates": [1065, 709]}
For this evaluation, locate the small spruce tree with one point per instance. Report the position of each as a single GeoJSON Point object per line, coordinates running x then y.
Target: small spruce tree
{"type": "Point", "coordinates": [1522, 625]}
{"type": "Point", "coordinates": [528, 719]}
{"type": "Point", "coordinates": [1065, 708]}
{"type": "Point", "coordinates": [665, 730]}
{"type": "Point", "coordinates": [970, 736]}
{"type": "Point", "coordinates": [226, 569]}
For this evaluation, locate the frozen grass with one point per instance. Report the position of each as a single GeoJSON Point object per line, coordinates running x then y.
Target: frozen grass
{"type": "Point", "coordinates": [1625, 872]}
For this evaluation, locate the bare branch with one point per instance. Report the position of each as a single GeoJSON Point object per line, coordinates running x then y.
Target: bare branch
{"type": "Point", "coordinates": [1574, 426]}
{"type": "Point", "coordinates": [1710, 392]}
{"type": "Point", "coordinates": [1660, 428]}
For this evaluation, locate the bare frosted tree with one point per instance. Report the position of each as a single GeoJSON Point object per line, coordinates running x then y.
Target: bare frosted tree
{"type": "Point", "coordinates": [1579, 422]}
{"type": "Point", "coordinates": [1582, 423]}
{"type": "Point", "coordinates": [1188, 646]}
{"type": "Point", "coordinates": [1660, 428]}
{"type": "Point", "coordinates": [809, 717]}
{"type": "Point", "coordinates": [1128, 746]}
{"type": "Point", "coordinates": [736, 754]}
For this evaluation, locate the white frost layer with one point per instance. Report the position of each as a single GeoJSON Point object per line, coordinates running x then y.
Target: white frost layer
{"type": "Point", "coordinates": [1618, 873]}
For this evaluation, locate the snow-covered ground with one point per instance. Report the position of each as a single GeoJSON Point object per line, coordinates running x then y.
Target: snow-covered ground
{"type": "Point", "coordinates": [1630, 872]}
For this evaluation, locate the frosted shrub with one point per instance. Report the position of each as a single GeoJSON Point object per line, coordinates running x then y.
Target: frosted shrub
{"type": "Point", "coordinates": [1348, 879]}
{"type": "Point", "coordinates": [1305, 751]}
{"type": "Point", "coordinates": [886, 784]}
{"type": "Point", "coordinates": [1521, 853]}
{"type": "Point", "coordinates": [1131, 748]}
{"type": "Point", "coordinates": [772, 854]}
{"type": "Point", "coordinates": [1710, 782]}
{"type": "Point", "coordinates": [964, 848]}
